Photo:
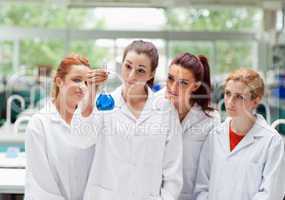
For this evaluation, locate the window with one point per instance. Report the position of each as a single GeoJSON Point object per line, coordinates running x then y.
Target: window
{"type": "Point", "coordinates": [39, 52]}
{"type": "Point", "coordinates": [232, 55]}
{"type": "Point", "coordinates": [6, 57]}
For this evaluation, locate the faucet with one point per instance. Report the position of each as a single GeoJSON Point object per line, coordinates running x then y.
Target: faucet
{"type": "Point", "coordinates": [9, 106]}
{"type": "Point", "coordinates": [278, 122]}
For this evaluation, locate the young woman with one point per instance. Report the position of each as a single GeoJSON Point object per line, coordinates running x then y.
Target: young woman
{"type": "Point", "coordinates": [54, 167]}
{"type": "Point", "coordinates": [189, 89]}
{"type": "Point", "coordinates": [139, 143]}
{"type": "Point", "coordinates": [243, 158]}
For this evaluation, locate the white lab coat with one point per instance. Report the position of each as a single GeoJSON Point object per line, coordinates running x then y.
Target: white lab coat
{"type": "Point", "coordinates": [195, 128]}
{"type": "Point", "coordinates": [55, 169]}
{"type": "Point", "coordinates": [254, 170]}
{"type": "Point", "coordinates": [135, 159]}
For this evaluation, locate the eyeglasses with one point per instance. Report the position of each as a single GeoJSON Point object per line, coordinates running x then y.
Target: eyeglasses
{"type": "Point", "coordinates": [238, 97]}
{"type": "Point", "coordinates": [181, 83]}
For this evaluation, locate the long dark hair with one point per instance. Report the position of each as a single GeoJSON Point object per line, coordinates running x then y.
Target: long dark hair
{"type": "Point", "coordinates": [199, 66]}
{"type": "Point", "coordinates": [147, 48]}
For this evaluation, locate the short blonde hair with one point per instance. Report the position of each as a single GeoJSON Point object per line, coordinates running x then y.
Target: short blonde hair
{"type": "Point", "coordinates": [249, 77]}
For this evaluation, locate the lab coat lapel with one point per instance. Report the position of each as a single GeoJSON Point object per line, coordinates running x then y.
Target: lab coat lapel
{"type": "Point", "coordinates": [149, 107]}
{"type": "Point", "coordinates": [244, 143]}
{"type": "Point", "coordinates": [193, 117]}
{"type": "Point", "coordinates": [120, 103]}
{"type": "Point", "coordinates": [55, 116]}
{"type": "Point", "coordinates": [223, 137]}
{"type": "Point", "coordinates": [254, 133]}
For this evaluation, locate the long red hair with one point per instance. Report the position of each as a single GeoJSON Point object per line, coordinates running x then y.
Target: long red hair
{"type": "Point", "coordinates": [64, 68]}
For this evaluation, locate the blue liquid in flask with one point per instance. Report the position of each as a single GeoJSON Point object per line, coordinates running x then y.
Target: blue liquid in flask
{"type": "Point", "coordinates": [105, 101]}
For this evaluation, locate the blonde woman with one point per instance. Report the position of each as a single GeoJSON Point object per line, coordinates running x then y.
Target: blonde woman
{"type": "Point", "coordinates": [243, 158]}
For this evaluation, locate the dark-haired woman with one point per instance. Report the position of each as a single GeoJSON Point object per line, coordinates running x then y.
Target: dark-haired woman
{"type": "Point", "coordinates": [138, 143]}
{"type": "Point", "coordinates": [188, 87]}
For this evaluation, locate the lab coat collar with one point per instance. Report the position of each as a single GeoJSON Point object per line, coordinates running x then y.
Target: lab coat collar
{"type": "Point", "coordinates": [119, 100]}
{"type": "Point", "coordinates": [54, 114]}
{"type": "Point", "coordinates": [150, 106]}
{"type": "Point", "coordinates": [262, 125]}
{"type": "Point", "coordinates": [147, 110]}
{"type": "Point", "coordinates": [195, 115]}
{"type": "Point", "coordinates": [256, 132]}
{"type": "Point", "coordinates": [50, 109]}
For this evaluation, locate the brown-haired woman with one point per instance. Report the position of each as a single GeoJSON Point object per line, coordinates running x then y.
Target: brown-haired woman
{"type": "Point", "coordinates": [56, 170]}
{"type": "Point", "coordinates": [188, 87]}
{"type": "Point", "coordinates": [243, 158]}
{"type": "Point", "coordinates": [138, 144]}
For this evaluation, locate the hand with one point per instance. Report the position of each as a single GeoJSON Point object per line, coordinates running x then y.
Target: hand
{"type": "Point", "coordinates": [97, 77]}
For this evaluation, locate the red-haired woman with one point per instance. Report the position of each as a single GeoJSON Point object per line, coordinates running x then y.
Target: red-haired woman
{"type": "Point", "coordinates": [242, 158]}
{"type": "Point", "coordinates": [57, 170]}
{"type": "Point", "coordinates": [188, 87]}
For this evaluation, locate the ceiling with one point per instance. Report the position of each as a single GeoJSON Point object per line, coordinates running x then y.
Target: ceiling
{"type": "Point", "coordinates": [269, 4]}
